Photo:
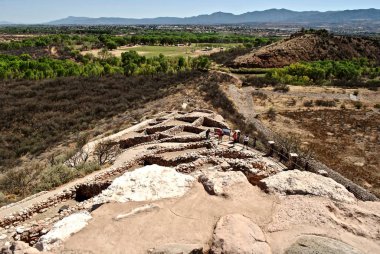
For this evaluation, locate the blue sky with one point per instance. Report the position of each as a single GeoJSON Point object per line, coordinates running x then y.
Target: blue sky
{"type": "Point", "coordinates": [35, 11]}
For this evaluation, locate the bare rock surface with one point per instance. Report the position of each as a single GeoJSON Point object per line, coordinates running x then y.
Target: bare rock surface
{"type": "Point", "coordinates": [176, 248]}
{"type": "Point", "coordinates": [138, 210]}
{"type": "Point", "coordinates": [63, 229]}
{"type": "Point", "coordinates": [236, 234]}
{"type": "Point", "coordinates": [310, 244]}
{"type": "Point", "coordinates": [216, 182]}
{"type": "Point", "coordinates": [151, 182]}
{"type": "Point", "coordinates": [301, 182]}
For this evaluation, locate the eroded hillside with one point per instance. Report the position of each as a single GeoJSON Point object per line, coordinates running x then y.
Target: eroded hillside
{"type": "Point", "coordinates": [310, 47]}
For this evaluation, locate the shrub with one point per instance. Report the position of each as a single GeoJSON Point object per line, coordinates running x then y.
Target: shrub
{"type": "Point", "coordinates": [106, 152]}
{"type": "Point", "coordinates": [55, 176]}
{"type": "Point", "coordinates": [325, 103]}
{"type": "Point", "coordinates": [21, 181]}
{"type": "Point", "coordinates": [377, 106]}
{"type": "Point", "coordinates": [308, 103]}
{"type": "Point", "coordinates": [356, 93]}
{"type": "Point", "coordinates": [281, 88]}
{"type": "Point", "coordinates": [260, 95]}
{"type": "Point", "coordinates": [271, 114]}
{"type": "Point", "coordinates": [358, 104]}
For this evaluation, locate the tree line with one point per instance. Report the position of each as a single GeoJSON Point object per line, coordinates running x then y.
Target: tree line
{"type": "Point", "coordinates": [24, 67]}
{"type": "Point", "coordinates": [327, 72]}
{"type": "Point", "coordinates": [90, 41]}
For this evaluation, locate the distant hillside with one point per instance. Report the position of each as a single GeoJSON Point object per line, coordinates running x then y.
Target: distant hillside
{"type": "Point", "coordinates": [267, 16]}
{"type": "Point", "coordinates": [4, 23]}
{"type": "Point", "coordinates": [310, 47]}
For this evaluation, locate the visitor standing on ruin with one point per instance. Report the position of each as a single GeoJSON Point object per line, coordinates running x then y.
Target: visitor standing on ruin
{"type": "Point", "coordinates": [208, 134]}
{"type": "Point", "coordinates": [245, 141]}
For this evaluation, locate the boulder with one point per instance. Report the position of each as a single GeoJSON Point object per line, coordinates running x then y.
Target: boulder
{"type": "Point", "coordinates": [177, 248]}
{"type": "Point", "coordinates": [306, 183]}
{"type": "Point", "coordinates": [62, 230]}
{"type": "Point", "coordinates": [216, 182]}
{"type": "Point", "coordinates": [236, 234]}
{"type": "Point", "coordinates": [151, 182]}
{"type": "Point", "coordinates": [310, 244]}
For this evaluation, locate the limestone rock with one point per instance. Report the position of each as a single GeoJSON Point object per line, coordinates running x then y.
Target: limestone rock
{"type": "Point", "coordinates": [305, 183]}
{"type": "Point", "coordinates": [176, 248]}
{"type": "Point", "coordinates": [317, 244]}
{"type": "Point", "coordinates": [63, 229]}
{"type": "Point", "coordinates": [215, 182]}
{"type": "Point", "coordinates": [138, 210]}
{"type": "Point", "coordinates": [236, 234]}
{"type": "Point", "coordinates": [151, 182]}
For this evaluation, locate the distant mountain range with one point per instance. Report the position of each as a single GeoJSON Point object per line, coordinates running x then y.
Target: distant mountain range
{"type": "Point", "coordinates": [267, 16]}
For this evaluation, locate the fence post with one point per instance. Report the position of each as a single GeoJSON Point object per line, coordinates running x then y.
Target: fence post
{"type": "Point", "coordinates": [271, 148]}
{"type": "Point", "coordinates": [293, 160]}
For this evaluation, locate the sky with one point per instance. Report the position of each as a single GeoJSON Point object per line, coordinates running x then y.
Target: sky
{"type": "Point", "coordinates": [39, 11]}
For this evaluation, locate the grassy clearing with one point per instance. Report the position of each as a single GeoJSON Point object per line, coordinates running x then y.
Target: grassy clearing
{"type": "Point", "coordinates": [172, 51]}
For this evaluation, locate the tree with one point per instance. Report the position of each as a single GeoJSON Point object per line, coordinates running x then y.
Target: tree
{"type": "Point", "coordinates": [106, 152]}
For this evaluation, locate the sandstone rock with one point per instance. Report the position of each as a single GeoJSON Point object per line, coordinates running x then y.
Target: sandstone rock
{"type": "Point", "coordinates": [20, 230]}
{"type": "Point", "coordinates": [176, 248]}
{"type": "Point", "coordinates": [215, 182]}
{"type": "Point", "coordinates": [236, 234]}
{"type": "Point", "coordinates": [151, 182]}
{"type": "Point", "coordinates": [2, 237]}
{"type": "Point", "coordinates": [305, 183]}
{"type": "Point", "coordinates": [145, 208]}
{"type": "Point", "coordinates": [317, 244]}
{"type": "Point", "coordinates": [62, 230]}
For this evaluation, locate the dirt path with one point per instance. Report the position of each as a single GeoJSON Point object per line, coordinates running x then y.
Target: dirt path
{"type": "Point", "coordinates": [243, 100]}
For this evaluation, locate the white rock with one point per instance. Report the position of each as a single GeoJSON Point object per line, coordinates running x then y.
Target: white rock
{"type": "Point", "coordinates": [145, 208]}
{"type": "Point", "coordinates": [216, 183]}
{"type": "Point", "coordinates": [2, 237]}
{"type": "Point", "coordinates": [151, 182]}
{"type": "Point", "coordinates": [305, 183]}
{"type": "Point", "coordinates": [20, 230]}
{"type": "Point", "coordinates": [62, 230]}
{"type": "Point", "coordinates": [236, 234]}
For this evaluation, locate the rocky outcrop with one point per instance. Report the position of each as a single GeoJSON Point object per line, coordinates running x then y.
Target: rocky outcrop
{"type": "Point", "coordinates": [236, 234]}
{"type": "Point", "coordinates": [62, 230]}
{"type": "Point", "coordinates": [310, 47]}
{"type": "Point", "coordinates": [216, 183]}
{"type": "Point", "coordinates": [310, 244]}
{"type": "Point", "coordinates": [147, 183]}
{"type": "Point", "coordinates": [306, 183]}
{"type": "Point", "coordinates": [176, 248]}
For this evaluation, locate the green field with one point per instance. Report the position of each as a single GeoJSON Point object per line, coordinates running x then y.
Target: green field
{"type": "Point", "coordinates": [171, 51]}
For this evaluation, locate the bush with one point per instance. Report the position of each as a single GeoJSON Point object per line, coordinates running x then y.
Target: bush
{"type": "Point", "coordinates": [356, 93]}
{"type": "Point", "coordinates": [271, 114]}
{"type": "Point", "coordinates": [260, 95]}
{"type": "Point", "coordinates": [21, 181]}
{"type": "Point", "coordinates": [281, 88]}
{"type": "Point", "coordinates": [55, 176]}
{"type": "Point", "coordinates": [377, 106]}
{"type": "Point", "coordinates": [325, 103]}
{"type": "Point", "coordinates": [358, 104]}
{"type": "Point", "coordinates": [308, 104]}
